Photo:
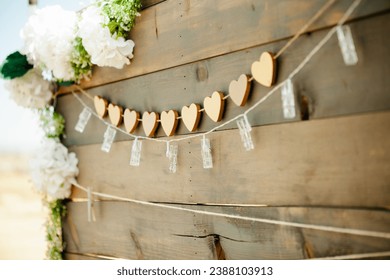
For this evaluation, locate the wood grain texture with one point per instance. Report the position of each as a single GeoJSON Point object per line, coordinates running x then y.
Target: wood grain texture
{"type": "Point", "coordinates": [174, 33]}
{"type": "Point", "coordinates": [73, 256]}
{"type": "Point", "coordinates": [331, 88]}
{"type": "Point", "coordinates": [331, 170]}
{"type": "Point", "coordinates": [149, 3]}
{"type": "Point", "coordinates": [126, 230]}
{"type": "Point", "coordinates": [340, 162]}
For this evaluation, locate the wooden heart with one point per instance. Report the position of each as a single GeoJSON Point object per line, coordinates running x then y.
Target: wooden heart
{"type": "Point", "coordinates": [264, 70]}
{"type": "Point", "coordinates": [169, 122]}
{"type": "Point", "coordinates": [100, 106]}
{"type": "Point", "coordinates": [214, 106]}
{"type": "Point", "coordinates": [115, 113]}
{"type": "Point", "coordinates": [149, 123]}
{"type": "Point", "coordinates": [131, 120]}
{"type": "Point", "coordinates": [239, 90]}
{"type": "Point", "coordinates": [191, 116]}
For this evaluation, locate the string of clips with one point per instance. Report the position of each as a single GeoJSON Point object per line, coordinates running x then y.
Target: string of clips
{"type": "Point", "coordinates": [304, 62]}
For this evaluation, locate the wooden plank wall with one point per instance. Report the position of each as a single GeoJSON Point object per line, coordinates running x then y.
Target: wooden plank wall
{"type": "Point", "coordinates": [328, 166]}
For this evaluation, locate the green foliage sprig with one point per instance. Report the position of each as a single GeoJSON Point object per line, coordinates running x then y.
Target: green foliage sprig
{"type": "Point", "coordinates": [81, 60]}
{"type": "Point", "coordinates": [52, 122]}
{"type": "Point", "coordinates": [56, 245]}
{"type": "Point", "coordinates": [121, 14]}
{"type": "Point", "coordinates": [14, 66]}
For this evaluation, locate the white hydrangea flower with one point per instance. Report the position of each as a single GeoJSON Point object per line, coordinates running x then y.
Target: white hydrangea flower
{"type": "Point", "coordinates": [48, 40]}
{"type": "Point", "coordinates": [30, 90]}
{"type": "Point", "coordinates": [54, 169]}
{"type": "Point", "coordinates": [105, 49]}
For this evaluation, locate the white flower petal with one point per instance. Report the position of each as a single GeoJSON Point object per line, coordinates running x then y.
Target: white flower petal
{"type": "Point", "coordinates": [105, 49]}
{"type": "Point", "coordinates": [54, 169]}
{"type": "Point", "coordinates": [48, 40]}
{"type": "Point", "coordinates": [30, 90]}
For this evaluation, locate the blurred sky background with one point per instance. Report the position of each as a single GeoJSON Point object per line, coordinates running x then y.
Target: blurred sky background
{"type": "Point", "coordinates": [22, 214]}
{"type": "Point", "coordinates": [18, 132]}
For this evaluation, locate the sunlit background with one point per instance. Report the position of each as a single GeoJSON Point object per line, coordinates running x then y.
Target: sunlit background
{"type": "Point", "coordinates": [22, 215]}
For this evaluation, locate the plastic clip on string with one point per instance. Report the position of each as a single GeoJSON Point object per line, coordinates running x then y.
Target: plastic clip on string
{"type": "Point", "coordinates": [347, 45]}
{"type": "Point", "coordinates": [84, 117]}
{"type": "Point", "coordinates": [288, 100]}
{"type": "Point", "coordinates": [245, 132]}
{"type": "Point", "coordinates": [91, 213]}
{"type": "Point", "coordinates": [206, 153]}
{"type": "Point", "coordinates": [172, 156]}
{"type": "Point", "coordinates": [109, 137]}
{"type": "Point", "coordinates": [135, 157]}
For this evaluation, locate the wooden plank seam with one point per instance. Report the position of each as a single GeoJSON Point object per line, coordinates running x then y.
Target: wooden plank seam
{"type": "Point", "coordinates": [270, 93]}
{"type": "Point", "coordinates": [341, 257]}
{"type": "Point", "coordinates": [359, 232]}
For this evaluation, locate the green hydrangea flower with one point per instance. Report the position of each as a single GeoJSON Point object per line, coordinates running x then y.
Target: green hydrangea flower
{"type": "Point", "coordinates": [121, 14]}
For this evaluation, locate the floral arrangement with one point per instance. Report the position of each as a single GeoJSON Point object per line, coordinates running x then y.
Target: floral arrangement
{"type": "Point", "coordinates": [60, 48]}
{"type": "Point", "coordinates": [54, 168]}
{"type": "Point", "coordinates": [53, 171]}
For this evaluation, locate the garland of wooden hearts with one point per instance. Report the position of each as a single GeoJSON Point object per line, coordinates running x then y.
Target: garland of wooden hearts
{"type": "Point", "coordinates": [263, 71]}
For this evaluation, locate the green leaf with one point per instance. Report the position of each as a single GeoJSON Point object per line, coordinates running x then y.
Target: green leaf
{"type": "Point", "coordinates": [14, 66]}
{"type": "Point", "coordinates": [65, 83]}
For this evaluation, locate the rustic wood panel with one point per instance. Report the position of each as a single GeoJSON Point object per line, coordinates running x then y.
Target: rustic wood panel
{"type": "Point", "coordinates": [178, 32]}
{"type": "Point", "coordinates": [126, 230]}
{"type": "Point", "coordinates": [340, 161]}
{"type": "Point", "coordinates": [73, 256]}
{"type": "Point", "coordinates": [332, 88]}
{"type": "Point", "coordinates": [149, 3]}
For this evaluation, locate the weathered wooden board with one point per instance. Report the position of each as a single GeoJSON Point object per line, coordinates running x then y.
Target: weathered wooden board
{"type": "Point", "coordinates": [332, 170]}
{"type": "Point", "coordinates": [333, 88]}
{"type": "Point", "coordinates": [126, 230]}
{"type": "Point", "coordinates": [72, 256]}
{"type": "Point", "coordinates": [319, 162]}
{"type": "Point", "coordinates": [149, 3]}
{"type": "Point", "coordinates": [173, 33]}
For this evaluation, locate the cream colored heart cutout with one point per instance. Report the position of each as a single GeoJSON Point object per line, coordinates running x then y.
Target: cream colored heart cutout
{"type": "Point", "coordinates": [149, 123]}
{"type": "Point", "coordinates": [131, 120]}
{"type": "Point", "coordinates": [169, 122]}
{"type": "Point", "coordinates": [100, 106]}
{"type": "Point", "coordinates": [115, 113]}
{"type": "Point", "coordinates": [264, 70]}
{"type": "Point", "coordinates": [191, 116]}
{"type": "Point", "coordinates": [239, 90]}
{"type": "Point", "coordinates": [214, 106]}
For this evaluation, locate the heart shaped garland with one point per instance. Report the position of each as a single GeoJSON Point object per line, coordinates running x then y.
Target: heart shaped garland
{"type": "Point", "coordinates": [150, 123]}
{"type": "Point", "coordinates": [100, 106]}
{"type": "Point", "coordinates": [263, 71]}
{"type": "Point", "coordinates": [169, 122]}
{"type": "Point", "coordinates": [115, 113]}
{"type": "Point", "coordinates": [131, 120]}
{"type": "Point", "coordinates": [214, 106]}
{"type": "Point", "coordinates": [239, 90]}
{"type": "Point", "coordinates": [191, 116]}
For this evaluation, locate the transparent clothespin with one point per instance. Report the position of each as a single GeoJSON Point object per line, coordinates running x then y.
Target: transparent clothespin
{"type": "Point", "coordinates": [84, 117]}
{"type": "Point", "coordinates": [288, 100]}
{"type": "Point", "coordinates": [135, 157]}
{"type": "Point", "coordinates": [172, 150]}
{"type": "Point", "coordinates": [109, 137]}
{"type": "Point", "coordinates": [206, 153]}
{"type": "Point", "coordinates": [245, 132]}
{"type": "Point", "coordinates": [347, 45]}
{"type": "Point", "coordinates": [91, 212]}
{"type": "Point", "coordinates": [168, 148]}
